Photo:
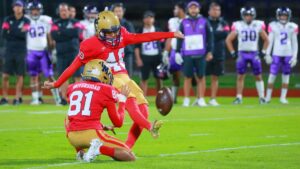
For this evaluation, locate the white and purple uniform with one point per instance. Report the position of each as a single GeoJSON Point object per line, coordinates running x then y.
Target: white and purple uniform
{"type": "Point", "coordinates": [38, 57]}
{"type": "Point", "coordinates": [283, 44]}
{"type": "Point", "coordinates": [88, 29]}
{"type": "Point", "coordinates": [248, 36]}
{"type": "Point", "coordinates": [173, 25]}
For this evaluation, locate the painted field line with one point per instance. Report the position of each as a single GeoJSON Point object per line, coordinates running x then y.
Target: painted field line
{"type": "Point", "coordinates": [28, 129]}
{"type": "Point", "coordinates": [277, 136]}
{"type": "Point", "coordinates": [199, 134]}
{"type": "Point", "coordinates": [230, 149]}
{"type": "Point", "coordinates": [53, 131]}
{"type": "Point", "coordinates": [234, 117]}
{"type": "Point", "coordinates": [56, 165]}
{"type": "Point", "coordinates": [48, 112]}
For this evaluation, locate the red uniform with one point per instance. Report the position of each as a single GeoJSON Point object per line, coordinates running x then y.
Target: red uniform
{"type": "Point", "coordinates": [93, 48]}
{"type": "Point", "coordinates": [87, 102]}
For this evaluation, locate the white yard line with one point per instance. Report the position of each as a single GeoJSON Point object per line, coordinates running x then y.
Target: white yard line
{"type": "Point", "coordinates": [234, 117]}
{"type": "Point", "coordinates": [230, 149]}
{"type": "Point", "coordinates": [28, 129]}
{"type": "Point", "coordinates": [277, 136]}
{"type": "Point", "coordinates": [199, 134]}
{"type": "Point", "coordinates": [48, 112]}
{"type": "Point", "coordinates": [55, 165]}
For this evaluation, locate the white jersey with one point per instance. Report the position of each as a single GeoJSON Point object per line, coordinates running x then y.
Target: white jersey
{"type": "Point", "coordinates": [248, 34]}
{"type": "Point", "coordinates": [37, 34]}
{"type": "Point", "coordinates": [88, 30]}
{"type": "Point", "coordinates": [283, 39]}
{"type": "Point", "coordinates": [150, 48]}
{"type": "Point", "coordinates": [173, 25]}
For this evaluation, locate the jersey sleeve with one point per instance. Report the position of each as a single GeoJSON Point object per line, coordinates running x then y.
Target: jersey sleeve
{"type": "Point", "coordinates": [263, 26]}
{"type": "Point", "coordinates": [116, 115]}
{"type": "Point", "coordinates": [234, 27]}
{"type": "Point", "coordinates": [171, 26]}
{"type": "Point", "coordinates": [135, 38]}
{"type": "Point", "coordinates": [296, 29]}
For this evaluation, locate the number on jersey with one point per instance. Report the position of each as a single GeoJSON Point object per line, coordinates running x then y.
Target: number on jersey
{"type": "Point", "coordinates": [76, 105]}
{"type": "Point", "coordinates": [248, 35]}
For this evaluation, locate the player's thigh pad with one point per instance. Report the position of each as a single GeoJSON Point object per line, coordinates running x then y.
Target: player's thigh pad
{"type": "Point", "coordinates": [256, 66]}
{"type": "Point", "coordinates": [137, 92]}
{"type": "Point", "coordinates": [274, 67]}
{"type": "Point", "coordinates": [286, 66]}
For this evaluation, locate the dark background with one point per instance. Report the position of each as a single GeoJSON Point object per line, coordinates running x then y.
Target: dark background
{"type": "Point", "coordinates": [164, 10]}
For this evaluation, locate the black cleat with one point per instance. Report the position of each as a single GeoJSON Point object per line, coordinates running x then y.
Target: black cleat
{"type": "Point", "coordinates": [41, 100]}
{"type": "Point", "coordinates": [3, 101]}
{"type": "Point", "coordinates": [237, 101]}
{"type": "Point", "coordinates": [63, 102]}
{"type": "Point", "coordinates": [17, 102]}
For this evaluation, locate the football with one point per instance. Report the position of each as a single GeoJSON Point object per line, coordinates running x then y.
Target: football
{"type": "Point", "coordinates": [164, 101]}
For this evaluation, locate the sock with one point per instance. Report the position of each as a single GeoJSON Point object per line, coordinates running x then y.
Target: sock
{"type": "Point", "coordinates": [55, 94]}
{"type": "Point", "coordinates": [269, 94]}
{"type": "Point", "coordinates": [174, 90]}
{"type": "Point", "coordinates": [283, 93]}
{"type": "Point", "coordinates": [260, 88]}
{"type": "Point", "coordinates": [239, 96]}
{"type": "Point", "coordinates": [135, 131]}
{"type": "Point", "coordinates": [136, 115]}
{"type": "Point", "coordinates": [40, 94]}
{"type": "Point", "coordinates": [35, 95]}
{"type": "Point", "coordinates": [108, 151]}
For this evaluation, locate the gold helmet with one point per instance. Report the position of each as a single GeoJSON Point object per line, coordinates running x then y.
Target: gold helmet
{"type": "Point", "coordinates": [108, 23]}
{"type": "Point", "coordinates": [97, 70]}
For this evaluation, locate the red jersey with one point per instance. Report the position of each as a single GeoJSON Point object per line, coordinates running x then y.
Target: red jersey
{"type": "Point", "coordinates": [93, 48]}
{"type": "Point", "coordinates": [87, 102]}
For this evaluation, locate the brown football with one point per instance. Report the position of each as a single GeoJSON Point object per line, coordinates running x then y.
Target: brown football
{"type": "Point", "coordinates": [164, 101]}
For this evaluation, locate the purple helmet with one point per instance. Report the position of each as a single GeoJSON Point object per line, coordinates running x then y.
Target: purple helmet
{"type": "Point", "coordinates": [34, 5]}
{"type": "Point", "coordinates": [90, 9]}
{"type": "Point", "coordinates": [283, 11]}
{"type": "Point", "coordinates": [162, 71]}
{"type": "Point", "coordinates": [248, 11]}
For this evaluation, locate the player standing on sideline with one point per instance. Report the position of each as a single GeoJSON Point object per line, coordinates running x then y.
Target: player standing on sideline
{"type": "Point", "coordinates": [215, 67]}
{"type": "Point", "coordinates": [119, 10]}
{"type": "Point", "coordinates": [72, 11]}
{"type": "Point", "coordinates": [14, 29]}
{"type": "Point", "coordinates": [88, 99]}
{"type": "Point", "coordinates": [148, 54]}
{"type": "Point", "coordinates": [65, 32]}
{"type": "Point", "coordinates": [284, 44]}
{"type": "Point", "coordinates": [39, 43]}
{"type": "Point", "coordinates": [169, 52]}
{"type": "Point", "coordinates": [248, 31]}
{"type": "Point", "coordinates": [108, 44]}
{"type": "Point", "coordinates": [196, 49]}
{"type": "Point", "coordinates": [90, 13]}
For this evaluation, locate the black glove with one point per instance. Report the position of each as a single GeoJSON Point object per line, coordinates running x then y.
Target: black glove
{"type": "Point", "coordinates": [262, 54]}
{"type": "Point", "coordinates": [233, 54]}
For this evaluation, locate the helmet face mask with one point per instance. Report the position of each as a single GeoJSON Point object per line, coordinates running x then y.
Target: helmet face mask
{"type": "Point", "coordinates": [97, 70]}
{"type": "Point", "coordinates": [283, 15]}
{"type": "Point", "coordinates": [248, 14]}
{"type": "Point", "coordinates": [108, 29]}
{"type": "Point", "coordinates": [35, 10]}
{"type": "Point", "coordinates": [162, 71]}
{"type": "Point", "coordinates": [90, 13]}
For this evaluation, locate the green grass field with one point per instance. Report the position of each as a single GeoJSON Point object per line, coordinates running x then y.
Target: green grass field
{"type": "Point", "coordinates": [245, 136]}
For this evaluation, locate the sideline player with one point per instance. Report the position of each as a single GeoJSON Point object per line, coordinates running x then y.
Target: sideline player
{"type": "Point", "coordinates": [39, 43]}
{"type": "Point", "coordinates": [284, 44]}
{"type": "Point", "coordinates": [248, 31]}
{"type": "Point", "coordinates": [90, 15]}
{"type": "Point", "coordinates": [108, 44]}
{"type": "Point", "coordinates": [170, 49]}
{"type": "Point", "coordinates": [88, 99]}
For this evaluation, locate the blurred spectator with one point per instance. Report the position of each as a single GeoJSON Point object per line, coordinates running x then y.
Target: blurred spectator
{"type": "Point", "coordinates": [215, 67]}
{"type": "Point", "coordinates": [65, 31]}
{"type": "Point", "coordinates": [90, 13]}
{"type": "Point", "coordinates": [196, 49]}
{"type": "Point", "coordinates": [72, 11]}
{"type": "Point", "coordinates": [148, 54]}
{"type": "Point", "coordinates": [119, 10]}
{"type": "Point", "coordinates": [14, 28]}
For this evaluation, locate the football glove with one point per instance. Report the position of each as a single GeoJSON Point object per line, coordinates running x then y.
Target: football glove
{"type": "Point", "coordinates": [268, 59]}
{"type": "Point", "coordinates": [165, 57]}
{"type": "Point", "coordinates": [178, 58]}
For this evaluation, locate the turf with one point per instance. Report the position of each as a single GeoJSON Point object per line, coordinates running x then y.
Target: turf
{"type": "Point", "coordinates": [243, 136]}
